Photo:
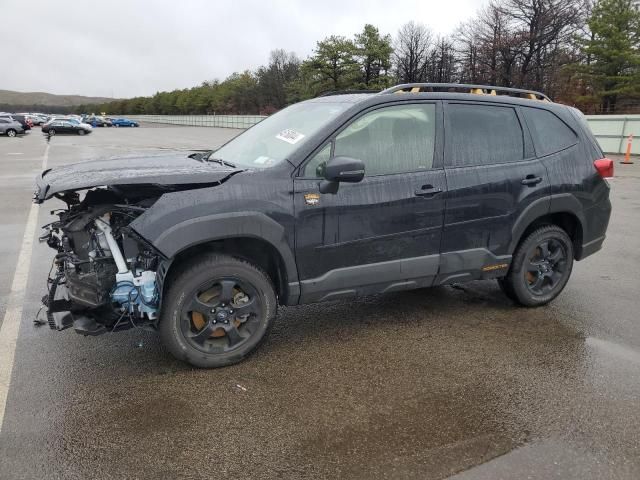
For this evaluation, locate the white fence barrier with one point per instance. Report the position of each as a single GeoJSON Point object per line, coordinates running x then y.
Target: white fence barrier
{"type": "Point", "coordinates": [610, 130]}
{"type": "Point", "coordinates": [220, 121]}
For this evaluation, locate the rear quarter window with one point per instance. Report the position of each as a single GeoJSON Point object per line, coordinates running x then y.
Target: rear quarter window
{"type": "Point", "coordinates": [550, 134]}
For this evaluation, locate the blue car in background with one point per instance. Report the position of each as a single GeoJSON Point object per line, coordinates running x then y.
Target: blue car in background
{"type": "Point", "coordinates": [124, 122]}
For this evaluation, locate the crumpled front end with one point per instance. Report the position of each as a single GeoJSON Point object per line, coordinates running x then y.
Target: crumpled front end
{"type": "Point", "coordinates": [104, 276]}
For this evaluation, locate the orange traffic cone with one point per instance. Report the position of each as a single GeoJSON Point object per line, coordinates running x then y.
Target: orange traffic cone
{"type": "Point", "coordinates": [627, 156]}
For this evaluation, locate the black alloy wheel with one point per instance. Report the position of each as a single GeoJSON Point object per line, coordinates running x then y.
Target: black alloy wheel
{"type": "Point", "coordinates": [221, 315]}
{"type": "Point", "coordinates": [546, 266]}
{"type": "Point", "coordinates": [217, 310]}
{"type": "Point", "coordinates": [540, 268]}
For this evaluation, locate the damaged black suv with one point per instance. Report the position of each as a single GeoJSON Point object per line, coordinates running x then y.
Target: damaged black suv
{"type": "Point", "coordinates": [335, 197]}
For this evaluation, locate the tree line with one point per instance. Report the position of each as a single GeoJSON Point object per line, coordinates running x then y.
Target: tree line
{"type": "Point", "coordinates": [579, 52]}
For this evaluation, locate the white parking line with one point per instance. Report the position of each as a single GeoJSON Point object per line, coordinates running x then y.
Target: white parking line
{"type": "Point", "coordinates": [13, 315]}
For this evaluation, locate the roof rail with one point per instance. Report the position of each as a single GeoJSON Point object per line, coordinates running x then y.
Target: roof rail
{"type": "Point", "coordinates": [475, 89]}
{"type": "Point", "coordinates": [345, 92]}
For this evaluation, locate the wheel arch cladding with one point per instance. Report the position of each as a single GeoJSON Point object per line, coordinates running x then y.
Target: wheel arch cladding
{"type": "Point", "coordinates": [254, 250]}
{"type": "Point", "coordinates": [231, 231]}
{"type": "Point", "coordinates": [569, 221]}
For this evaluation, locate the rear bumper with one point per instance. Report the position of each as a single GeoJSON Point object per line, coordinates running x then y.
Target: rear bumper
{"type": "Point", "coordinates": [595, 228]}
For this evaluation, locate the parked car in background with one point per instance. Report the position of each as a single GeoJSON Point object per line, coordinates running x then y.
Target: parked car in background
{"type": "Point", "coordinates": [25, 120]}
{"type": "Point", "coordinates": [98, 121]}
{"type": "Point", "coordinates": [18, 118]}
{"type": "Point", "coordinates": [36, 119]}
{"type": "Point", "coordinates": [66, 126]}
{"type": "Point", "coordinates": [68, 119]}
{"type": "Point", "coordinates": [124, 122]}
{"type": "Point", "coordinates": [10, 128]}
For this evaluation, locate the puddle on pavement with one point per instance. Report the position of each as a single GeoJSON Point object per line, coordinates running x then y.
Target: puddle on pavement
{"type": "Point", "coordinates": [414, 384]}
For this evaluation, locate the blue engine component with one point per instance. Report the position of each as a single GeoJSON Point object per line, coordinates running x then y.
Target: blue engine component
{"type": "Point", "coordinates": [139, 296]}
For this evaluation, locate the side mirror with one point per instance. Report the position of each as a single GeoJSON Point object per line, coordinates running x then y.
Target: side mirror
{"type": "Point", "coordinates": [344, 169]}
{"type": "Point", "coordinates": [341, 169]}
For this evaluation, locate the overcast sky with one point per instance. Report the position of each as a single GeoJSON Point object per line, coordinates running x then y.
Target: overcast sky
{"type": "Point", "coordinates": [125, 48]}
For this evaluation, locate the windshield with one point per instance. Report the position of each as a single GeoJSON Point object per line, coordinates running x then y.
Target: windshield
{"type": "Point", "coordinates": [274, 138]}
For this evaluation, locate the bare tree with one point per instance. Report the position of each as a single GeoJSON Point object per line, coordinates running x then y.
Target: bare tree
{"type": "Point", "coordinates": [273, 78]}
{"type": "Point", "coordinates": [497, 46]}
{"type": "Point", "coordinates": [442, 62]}
{"type": "Point", "coordinates": [467, 52]}
{"type": "Point", "coordinates": [412, 46]}
{"type": "Point", "coordinates": [522, 43]}
{"type": "Point", "coordinates": [543, 27]}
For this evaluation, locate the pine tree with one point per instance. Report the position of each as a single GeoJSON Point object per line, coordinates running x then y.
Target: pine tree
{"type": "Point", "coordinates": [373, 52]}
{"type": "Point", "coordinates": [612, 52]}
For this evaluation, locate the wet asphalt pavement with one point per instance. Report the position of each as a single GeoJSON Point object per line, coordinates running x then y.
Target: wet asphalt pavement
{"type": "Point", "coordinates": [451, 381]}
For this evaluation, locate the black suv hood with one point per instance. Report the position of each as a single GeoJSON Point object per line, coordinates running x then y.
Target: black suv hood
{"type": "Point", "coordinates": [172, 169]}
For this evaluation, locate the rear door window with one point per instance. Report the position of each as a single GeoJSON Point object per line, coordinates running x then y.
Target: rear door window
{"type": "Point", "coordinates": [482, 135]}
{"type": "Point", "coordinates": [550, 134]}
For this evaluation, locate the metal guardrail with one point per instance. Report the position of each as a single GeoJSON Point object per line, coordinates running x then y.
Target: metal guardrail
{"type": "Point", "coordinates": [612, 132]}
{"type": "Point", "coordinates": [219, 121]}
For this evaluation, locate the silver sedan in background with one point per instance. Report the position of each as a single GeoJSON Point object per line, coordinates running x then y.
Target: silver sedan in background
{"type": "Point", "coordinates": [10, 127]}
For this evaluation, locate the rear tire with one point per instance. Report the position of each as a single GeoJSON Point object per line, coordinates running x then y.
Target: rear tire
{"type": "Point", "coordinates": [540, 268]}
{"type": "Point", "coordinates": [506, 289]}
{"type": "Point", "coordinates": [217, 311]}
{"type": "Point", "coordinates": [11, 133]}
{"type": "Point", "coordinates": [51, 132]}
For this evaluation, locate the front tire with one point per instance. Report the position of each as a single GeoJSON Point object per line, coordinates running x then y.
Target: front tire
{"type": "Point", "coordinates": [81, 132]}
{"type": "Point", "coordinates": [540, 268]}
{"type": "Point", "coordinates": [217, 310]}
{"type": "Point", "coordinates": [11, 133]}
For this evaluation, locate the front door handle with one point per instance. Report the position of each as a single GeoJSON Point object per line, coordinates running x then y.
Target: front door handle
{"type": "Point", "coordinates": [531, 180]}
{"type": "Point", "coordinates": [427, 191]}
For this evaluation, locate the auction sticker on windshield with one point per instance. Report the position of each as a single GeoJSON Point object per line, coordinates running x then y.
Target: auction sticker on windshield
{"type": "Point", "coordinates": [290, 136]}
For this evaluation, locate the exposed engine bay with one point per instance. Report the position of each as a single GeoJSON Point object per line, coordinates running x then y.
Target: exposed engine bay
{"type": "Point", "coordinates": [104, 276]}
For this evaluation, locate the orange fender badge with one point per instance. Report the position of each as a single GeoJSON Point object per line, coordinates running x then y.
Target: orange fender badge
{"type": "Point", "coordinates": [311, 198]}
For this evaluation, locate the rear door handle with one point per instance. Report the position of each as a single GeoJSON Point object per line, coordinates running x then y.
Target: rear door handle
{"type": "Point", "coordinates": [531, 180]}
{"type": "Point", "coordinates": [427, 191]}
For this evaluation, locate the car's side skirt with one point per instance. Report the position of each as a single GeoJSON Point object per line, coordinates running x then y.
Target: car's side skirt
{"type": "Point", "coordinates": [473, 264]}
{"type": "Point", "coordinates": [404, 274]}
{"type": "Point", "coordinates": [382, 277]}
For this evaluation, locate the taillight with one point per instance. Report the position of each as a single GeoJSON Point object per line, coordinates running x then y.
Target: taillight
{"type": "Point", "coordinates": [604, 166]}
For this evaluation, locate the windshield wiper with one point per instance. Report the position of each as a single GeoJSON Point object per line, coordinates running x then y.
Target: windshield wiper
{"type": "Point", "coordinates": [199, 156]}
{"type": "Point", "coordinates": [206, 157]}
{"type": "Point", "coordinates": [218, 160]}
